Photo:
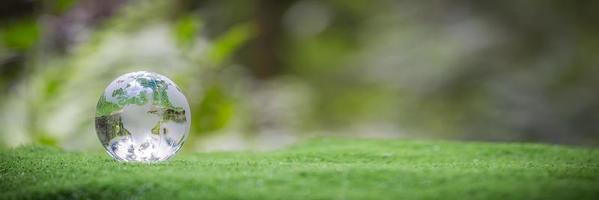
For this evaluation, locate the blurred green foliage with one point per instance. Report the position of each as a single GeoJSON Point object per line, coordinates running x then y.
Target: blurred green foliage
{"type": "Point", "coordinates": [20, 35]}
{"type": "Point", "coordinates": [229, 42]}
{"type": "Point", "coordinates": [187, 29]}
{"type": "Point", "coordinates": [61, 6]}
{"type": "Point", "coordinates": [214, 111]}
{"type": "Point", "coordinates": [267, 70]}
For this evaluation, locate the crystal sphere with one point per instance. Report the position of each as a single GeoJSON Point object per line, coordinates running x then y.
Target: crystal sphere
{"type": "Point", "coordinates": [142, 116]}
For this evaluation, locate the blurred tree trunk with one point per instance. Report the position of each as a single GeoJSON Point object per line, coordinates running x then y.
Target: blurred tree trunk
{"type": "Point", "coordinates": [265, 50]}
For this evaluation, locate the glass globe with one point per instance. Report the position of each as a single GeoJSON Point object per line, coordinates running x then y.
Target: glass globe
{"type": "Point", "coordinates": [142, 116]}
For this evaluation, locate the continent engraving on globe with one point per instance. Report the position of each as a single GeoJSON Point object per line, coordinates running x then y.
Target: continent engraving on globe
{"type": "Point", "coordinates": [142, 116]}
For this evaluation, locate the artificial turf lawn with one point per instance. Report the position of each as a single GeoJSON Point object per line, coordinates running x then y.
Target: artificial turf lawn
{"type": "Point", "coordinates": [316, 169]}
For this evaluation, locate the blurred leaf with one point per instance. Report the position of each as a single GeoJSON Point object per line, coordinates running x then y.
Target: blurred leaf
{"type": "Point", "coordinates": [20, 35]}
{"type": "Point", "coordinates": [226, 45]}
{"type": "Point", "coordinates": [214, 111]}
{"type": "Point", "coordinates": [52, 87]}
{"type": "Point", "coordinates": [187, 29]}
{"type": "Point", "coordinates": [61, 6]}
{"type": "Point", "coordinates": [46, 139]}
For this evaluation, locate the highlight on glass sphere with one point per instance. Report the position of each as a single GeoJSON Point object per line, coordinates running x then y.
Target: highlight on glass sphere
{"type": "Point", "coordinates": [142, 116]}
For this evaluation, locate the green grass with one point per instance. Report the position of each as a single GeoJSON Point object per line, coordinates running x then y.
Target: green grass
{"type": "Point", "coordinates": [316, 169]}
